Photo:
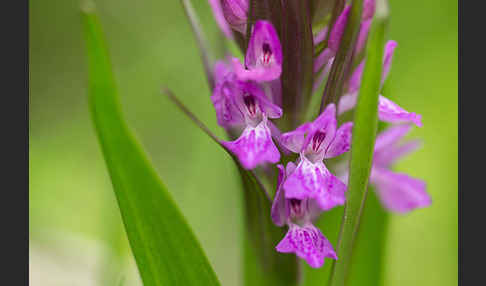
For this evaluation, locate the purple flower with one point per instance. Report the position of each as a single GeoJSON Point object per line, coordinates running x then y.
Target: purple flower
{"type": "Point", "coordinates": [248, 106]}
{"type": "Point", "coordinates": [388, 111]}
{"type": "Point", "coordinates": [263, 61]}
{"type": "Point", "coordinates": [316, 141]}
{"type": "Point", "coordinates": [302, 238]}
{"type": "Point", "coordinates": [235, 12]}
{"type": "Point", "coordinates": [398, 192]}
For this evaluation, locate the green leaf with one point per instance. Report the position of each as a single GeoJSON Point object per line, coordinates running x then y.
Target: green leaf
{"type": "Point", "coordinates": [165, 248]}
{"type": "Point", "coordinates": [364, 133]}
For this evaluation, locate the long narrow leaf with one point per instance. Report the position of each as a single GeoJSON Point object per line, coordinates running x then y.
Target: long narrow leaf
{"type": "Point", "coordinates": [364, 133]}
{"type": "Point", "coordinates": [165, 249]}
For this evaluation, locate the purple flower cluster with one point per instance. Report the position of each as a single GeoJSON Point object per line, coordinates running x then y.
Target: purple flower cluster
{"type": "Point", "coordinates": [247, 100]}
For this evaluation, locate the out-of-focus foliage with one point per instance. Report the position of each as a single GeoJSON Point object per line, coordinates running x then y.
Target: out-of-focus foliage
{"type": "Point", "coordinates": [74, 220]}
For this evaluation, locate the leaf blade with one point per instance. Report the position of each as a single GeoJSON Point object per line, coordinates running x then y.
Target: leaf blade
{"type": "Point", "coordinates": [364, 133]}
{"type": "Point", "coordinates": [156, 229]}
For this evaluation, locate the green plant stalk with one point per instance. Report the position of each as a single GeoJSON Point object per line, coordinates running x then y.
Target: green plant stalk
{"type": "Point", "coordinates": [367, 263]}
{"type": "Point", "coordinates": [364, 133]}
{"type": "Point", "coordinates": [165, 249]}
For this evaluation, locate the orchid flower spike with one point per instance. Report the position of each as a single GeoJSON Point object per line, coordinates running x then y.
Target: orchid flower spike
{"type": "Point", "coordinates": [263, 60]}
{"type": "Point", "coordinates": [302, 238]}
{"type": "Point", "coordinates": [315, 142]}
{"type": "Point", "coordinates": [388, 111]}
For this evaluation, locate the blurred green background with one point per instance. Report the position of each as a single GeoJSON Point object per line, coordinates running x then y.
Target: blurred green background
{"type": "Point", "coordinates": [76, 236]}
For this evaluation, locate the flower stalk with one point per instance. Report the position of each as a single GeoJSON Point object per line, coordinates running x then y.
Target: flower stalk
{"type": "Point", "coordinates": [262, 102]}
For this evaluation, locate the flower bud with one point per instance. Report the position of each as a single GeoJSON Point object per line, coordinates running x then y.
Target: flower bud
{"type": "Point", "coordinates": [235, 12]}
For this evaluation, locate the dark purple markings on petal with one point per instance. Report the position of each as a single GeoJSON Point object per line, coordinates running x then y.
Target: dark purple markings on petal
{"type": "Point", "coordinates": [308, 243]}
{"type": "Point", "coordinates": [255, 146]}
{"type": "Point", "coordinates": [267, 53]}
{"type": "Point", "coordinates": [317, 140]}
{"type": "Point", "coordinates": [314, 181]}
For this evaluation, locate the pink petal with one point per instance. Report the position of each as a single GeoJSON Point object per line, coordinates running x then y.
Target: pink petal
{"type": "Point", "coordinates": [324, 59]}
{"type": "Point", "coordinates": [341, 142]}
{"type": "Point", "coordinates": [255, 146]}
{"type": "Point", "coordinates": [363, 35]}
{"type": "Point", "coordinates": [391, 136]}
{"type": "Point", "coordinates": [308, 243]}
{"type": "Point", "coordinates": [389, 111]}
{"type": "Point", "coordinates": [321, 35]}
{"type": "Point", "coordinates": [223, 97]}
{"type": "Point", "coordinates": [338, 28]}
{"type": "Point", "coordinates": [314, 181]}
{"type": "Point", "coordinates": [387, 59]}
{"type": "Point", "coordinates": [294, 140]}
{"type": "Point", "coordinates": [263, 60]}
{"type": "Point", "coordinates": [368, 9]}
{"type": "Point", "coordinates": [347, 102]}
{"type": "Point", "coordinates": [235, 12]}
{"type": "Point", "coordinates": [279, 212]}
{"type": "Point", "coordinates": [399, 192]}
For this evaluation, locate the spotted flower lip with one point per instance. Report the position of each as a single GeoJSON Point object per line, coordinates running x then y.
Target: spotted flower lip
{"type": "Point", "coordinates": [254, 146]}
{"type": "Point", "coordinates": [308, 243]}
{"type": "Point", "coordinates": [236, 13]}
{"type": "Point", "coordinates": [314, 142]}
{"type": "Point", "coordinates": [263, 60]}
{"type": "Point", "coordinates": [302, 238]}
{"type": "Point", "coordinates": [388, 111]}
